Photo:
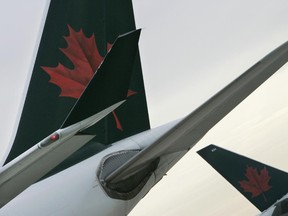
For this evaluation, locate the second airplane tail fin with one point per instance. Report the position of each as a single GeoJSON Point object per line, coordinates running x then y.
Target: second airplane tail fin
{"type": "Point", "coordinates": [261, 184]}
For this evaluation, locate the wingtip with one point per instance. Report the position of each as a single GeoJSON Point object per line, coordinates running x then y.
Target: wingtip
{"type": "Point", "coordinates": [133, 33]}
{"type": "Point", "coordinates": [110, 84]}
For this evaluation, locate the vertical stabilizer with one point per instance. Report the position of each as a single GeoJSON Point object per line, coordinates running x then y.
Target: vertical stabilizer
{"type": "Point", "coordinates": [261, 184]}
{"type": "Point", "coordinates": [76, 37]}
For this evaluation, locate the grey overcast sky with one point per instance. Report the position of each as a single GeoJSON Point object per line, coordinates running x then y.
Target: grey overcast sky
{"type": "Point", "coordinates": [190, 49]}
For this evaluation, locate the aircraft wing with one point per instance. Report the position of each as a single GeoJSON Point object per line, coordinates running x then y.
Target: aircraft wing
{"type": "Point", "coordinates": [106, 91]}
{"type": "Point", "coordinates": [191, 129]}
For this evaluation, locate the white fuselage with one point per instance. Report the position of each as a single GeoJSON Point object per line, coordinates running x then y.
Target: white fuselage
{"type": "Point", "coordinates": [77, 190]}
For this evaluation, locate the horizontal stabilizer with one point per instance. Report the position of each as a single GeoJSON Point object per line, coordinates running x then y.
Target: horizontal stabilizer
{"type": "Point", "coordinates": [191, 129]}
{"type": "Point", "coordinates": [110, 82]}
{"type": "Point", "coordinates": [262, 185]}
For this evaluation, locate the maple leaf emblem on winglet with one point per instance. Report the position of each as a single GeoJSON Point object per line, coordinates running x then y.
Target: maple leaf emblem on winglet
{"type": "Point", "coordinates": [257, 183]}
{"type": "Point", "coordinates": [83, 53]}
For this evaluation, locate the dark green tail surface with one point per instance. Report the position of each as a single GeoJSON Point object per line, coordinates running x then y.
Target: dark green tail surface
{"type": "Point", "coordinates": [76, 37]}
{"type": "Point", "coordinates": [262, 185]}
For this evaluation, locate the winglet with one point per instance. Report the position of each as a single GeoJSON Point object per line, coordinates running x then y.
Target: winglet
{"type": "Point", "coordinates": [110, 82]}
{"type": "Point", "coordinates": [261, 184]}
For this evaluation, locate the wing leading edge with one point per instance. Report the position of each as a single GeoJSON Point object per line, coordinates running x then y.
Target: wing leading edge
{"type": "Point", "coordinates": [45, 155]}
{"type": "Point", "coordinates": [191, 129]}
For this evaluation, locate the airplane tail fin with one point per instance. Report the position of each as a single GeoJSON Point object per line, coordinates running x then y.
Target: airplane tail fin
{"type": "Point", "coordinates": [106, 91]}
{"type": "Point", "coordinates": [261, 184]}
{"type": "Point", "coordinates": [77, 36]}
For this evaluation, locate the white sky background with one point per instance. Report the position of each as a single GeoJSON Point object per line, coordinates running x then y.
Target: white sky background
{"type": "Point", "coordinates": [190, 49]}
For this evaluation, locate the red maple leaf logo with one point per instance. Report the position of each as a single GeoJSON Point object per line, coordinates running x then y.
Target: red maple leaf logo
{"type": "Point", "coordinates": [257, 183]}
{"type": "Point", "coordinates": [84, 54]}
